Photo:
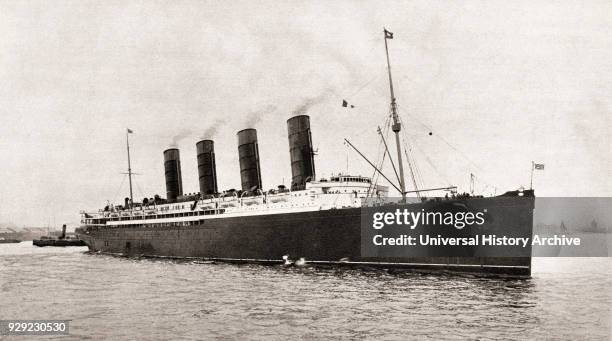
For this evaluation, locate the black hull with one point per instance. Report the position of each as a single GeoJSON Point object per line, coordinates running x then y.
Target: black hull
{"type": "Point", "coordinates": [321, 237]}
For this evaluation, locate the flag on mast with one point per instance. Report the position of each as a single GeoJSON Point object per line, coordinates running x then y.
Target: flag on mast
{"type": "Point", "coordinates": [130, 131]}
{"type": "Point", "coordinates": [388, 35]}
{"type": "Point", "coordinates": [538, 166]}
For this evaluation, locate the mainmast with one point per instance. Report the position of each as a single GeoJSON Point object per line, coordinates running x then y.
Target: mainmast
{"type": "Point", "coordinates": [127, 140]}
{"type": "Point", "coordinates": [397, 126]}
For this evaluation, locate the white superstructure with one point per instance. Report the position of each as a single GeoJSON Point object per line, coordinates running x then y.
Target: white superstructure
{"type": "Point", "coordinates": [337, 192]}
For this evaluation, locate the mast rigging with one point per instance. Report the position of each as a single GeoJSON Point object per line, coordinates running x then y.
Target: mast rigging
{"type": "Point", "coordinates": [371, 164]}
{"type": "Point", "coordinates": [387, 151]}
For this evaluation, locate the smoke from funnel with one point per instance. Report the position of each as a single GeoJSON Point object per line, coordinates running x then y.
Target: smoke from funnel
{"type": "Point", "coordinates": [308, 103]}
{"type": "Point", "coordinates": [183, 133]}
{"type": "Point", "coordinates": [255, 117]}
{"type": "Point", "coordinates": [211, 131]}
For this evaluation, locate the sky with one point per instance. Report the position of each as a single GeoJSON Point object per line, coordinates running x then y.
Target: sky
{"type": "Point", "coordinates": [499, 84]}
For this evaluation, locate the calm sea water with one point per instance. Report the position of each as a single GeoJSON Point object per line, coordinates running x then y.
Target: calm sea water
{"type": "Point", "coordinates": [121, 298]}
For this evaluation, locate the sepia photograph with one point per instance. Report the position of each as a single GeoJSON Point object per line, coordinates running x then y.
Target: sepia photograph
{"type": "Point", "coordinates": [305, 170]}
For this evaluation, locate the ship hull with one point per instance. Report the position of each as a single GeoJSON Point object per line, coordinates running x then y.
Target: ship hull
{"type": "Point", "coordinates": [320, 237]}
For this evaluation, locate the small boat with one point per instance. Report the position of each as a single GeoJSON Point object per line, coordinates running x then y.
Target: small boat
{"type": "Point", "coordinates": [60, 241]}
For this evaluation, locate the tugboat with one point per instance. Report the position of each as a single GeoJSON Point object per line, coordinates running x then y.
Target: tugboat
{"type": "Point", "coordinates": [62, 240]}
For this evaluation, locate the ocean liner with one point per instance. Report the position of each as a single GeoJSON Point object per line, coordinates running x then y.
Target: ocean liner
{"type": "Point", "coordinates": [315, 221]}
